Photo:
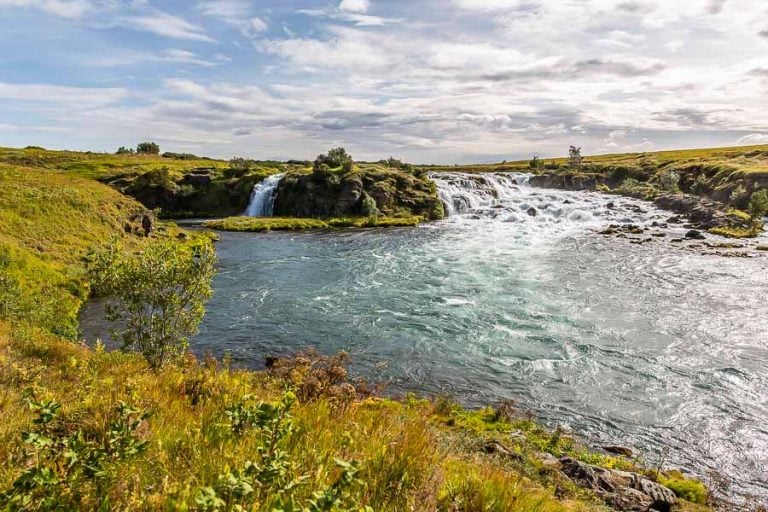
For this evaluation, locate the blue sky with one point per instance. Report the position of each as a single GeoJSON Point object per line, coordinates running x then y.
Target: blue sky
{"type": "Point", "coordinates": [425, 80]}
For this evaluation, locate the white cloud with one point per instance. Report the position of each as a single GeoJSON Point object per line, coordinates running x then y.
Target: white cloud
{"type": "Point", "coordinates": [63, 8]}
{"type": "Point", "coordinates": [167, 25]}
{"type": "Point", "coordinates": [45, 94]}
{"type": "Point", "coordinates": [359, 6]}
{"type": "Point", "coordinates": [258, 25]}
{"type": "Point", "coordinates": [754, 138]}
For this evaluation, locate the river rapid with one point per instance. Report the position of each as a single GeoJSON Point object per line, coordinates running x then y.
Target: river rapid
{"type": "Point", "coordinates": [654, 346]}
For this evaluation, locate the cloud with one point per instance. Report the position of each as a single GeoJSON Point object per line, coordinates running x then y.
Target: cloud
{"type": "Point", "coordinates": [258, 25]}
{"type": "Point", "coordinates": [62, 8]}
{"type": "Point", "coordinates": [166, 25]}
{"type": "Point", "coordinates": [489, 5]}
{"type": "Point", "coordinates": [46, 94]}
{"type": "Point", "coordinates": [354, 6]}
{"type": "Point", "coordinates": [170, 56]}
{"type": "Point", "coordinates": [753, 138]}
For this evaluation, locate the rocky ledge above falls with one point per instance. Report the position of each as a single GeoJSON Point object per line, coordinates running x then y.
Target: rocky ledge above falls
{"type": "Point", "coordinates": [339, 194]}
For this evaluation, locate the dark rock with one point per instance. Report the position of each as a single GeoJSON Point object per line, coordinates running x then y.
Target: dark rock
{"type": "Point", "coordinates": [622, 490]}
{"type": "Point", "coordinates": [532, 211]}
{"type": "Point", "coordinates": [496, 448]}
{"type": "Point", "coordinates": [148, 224]}
{"type": "Point", "coordinates": [695, 235]}
{"type": "Point", "coordinates": [611, 205]}
{"type": "Point", "coordinates": [201, 178]}
{"type": "Point", "coordinates": [128, 227]}
{"type": "Point", "coordinates": [182, 236]}
{"type": "Point", "coordinates": [674, 220]}
{"type": "Point", "coordinates": [567, 201]}
{"type": "Point", "coordinates": [618, 450]}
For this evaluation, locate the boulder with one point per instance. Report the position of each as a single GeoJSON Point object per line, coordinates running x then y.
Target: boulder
{"type": "Point", "coordinates": [622, 490]}
{"type": "Point", "coordinates": [618, 450]}
{"type": "Point", "coordinates": [532, 211]}
{"type": "Point", "coordinates": [694, 235]}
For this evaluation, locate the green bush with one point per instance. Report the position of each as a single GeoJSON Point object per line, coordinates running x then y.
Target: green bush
{"type": "Point", "coordinates": [70, 469]}
{"type": "Point", "coordinates": [368, 206]}
{"type": "Point", "coordinates": [758, 204]}
{"type": "Point", "coordinates": [156, 297]}
{"type": "Point", "coordinates": [668, 181]}
{"type": "Point", "coordinates": [689, 490]}
{"type": "Point", "coordinates": [148, 148]}
{"type": "Point", "coordinates": [336, 158]}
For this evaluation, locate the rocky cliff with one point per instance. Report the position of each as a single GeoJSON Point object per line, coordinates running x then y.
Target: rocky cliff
{"type": "Point", "coordinates": [338, 194]}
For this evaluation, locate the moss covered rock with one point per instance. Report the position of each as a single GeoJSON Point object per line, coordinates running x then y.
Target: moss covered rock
{"type": "Point", "coordinates": [339, 194]}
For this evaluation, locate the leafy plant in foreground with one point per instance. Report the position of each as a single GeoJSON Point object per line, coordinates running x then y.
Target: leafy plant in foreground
{"type": "Point", "coordinates": [71, 470]}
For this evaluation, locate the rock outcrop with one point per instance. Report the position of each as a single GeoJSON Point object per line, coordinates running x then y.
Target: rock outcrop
{"type": "Point", "coordinates": [336, 194]}
{"type": "Point", "coordinates": [621, 490]}
{"type": "Point", "coordinates": [568, 181]}
{"type": "Point", "coordinates": [703, 212]}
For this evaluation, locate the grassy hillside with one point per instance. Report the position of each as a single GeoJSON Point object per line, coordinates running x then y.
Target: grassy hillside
{"type": "Point", "coordinates": [100, 166]}
{"type": "Point", "coordinates": [48, 222]}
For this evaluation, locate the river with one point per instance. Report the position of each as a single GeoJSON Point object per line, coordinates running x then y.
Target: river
{"type": "Point", "coordinates": [655, 346]}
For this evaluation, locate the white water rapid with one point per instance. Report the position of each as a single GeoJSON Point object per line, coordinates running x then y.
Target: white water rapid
{"type": "Point", "coordinates": [262, 202]}
{"type": "Point", "coordinates": [506, 197]}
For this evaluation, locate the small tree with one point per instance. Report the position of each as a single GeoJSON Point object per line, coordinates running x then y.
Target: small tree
{"type": "Point", "coordinates": [148, 148]}
{"type": "Point", "coordinates": [574, 158]}
{"type": "Point", "coordinates": [536, 163]}
{"type": "Point", "coordinates": [334, 159]}
{"type": "Point", "coordinates": [758, 204]}
{"type": "Point", "coordinates": [122, 150]}
{"type": "Point", "coordinates": [156, 297]}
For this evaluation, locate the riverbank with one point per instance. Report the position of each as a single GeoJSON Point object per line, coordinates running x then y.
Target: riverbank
{"type": "Point", "coordinates": [189, 450]}
{"type": "Point", "coordinates": [261, 224]}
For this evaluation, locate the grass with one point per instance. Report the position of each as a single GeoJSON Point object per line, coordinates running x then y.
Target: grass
{"type": "Point", "coordinates": [261, 224]}
{"type": "Point", "coordinates": [414, 455]}
{"type": "Point", "coordinates": [48, 222]}
{"type": "Point", "coordinates": [100, 166]}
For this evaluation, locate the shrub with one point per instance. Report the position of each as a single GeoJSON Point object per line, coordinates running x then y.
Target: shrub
{"type": "Point", "coordinates": [738, 194]}
{"type": "Point", "coordinates": [156, 297]}
{"type": "Point", "coordinates": [122, 150]}
{"type": "Point", "coordinates": [70, 469]}
{"type": "Point", "coordinates": [148, 148]}
{"type": "Point", "coordinates": [335, 158]}
{"type": "Point", "coordinates": [701, 185]}
{"type": "Point", "coordinates": [668, 181]}
{"type": "Point", "coordinates": [758, 204]}
{"type": "Point", "coordinates": [689, 490]}
{"type": "Point", "coordinates": [368, 206]}
{"type": "Point", "coordinates": [536, 163]}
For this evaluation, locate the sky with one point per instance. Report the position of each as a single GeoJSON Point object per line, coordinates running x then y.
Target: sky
{"type": "Point", "coordinates": [428, 81]}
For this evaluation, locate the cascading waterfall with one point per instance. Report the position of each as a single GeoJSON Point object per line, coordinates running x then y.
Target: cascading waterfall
{"type": "Point", "coordinates": [262, 202]}
{"type": "Point", "coordinates": [463, 193]}
{"type": "Point", "coordinates": [508, 197]}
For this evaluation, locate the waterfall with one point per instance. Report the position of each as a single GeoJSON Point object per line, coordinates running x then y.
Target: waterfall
{"type": "Point", "coordinates": [465, 192]}
{"type": "Point", "coordinates": [509, 198]}
{"type": "Point", "coordinates": [262, 202]}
